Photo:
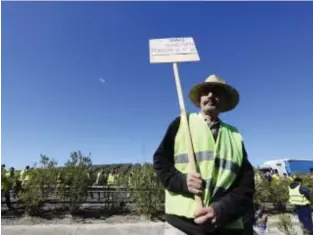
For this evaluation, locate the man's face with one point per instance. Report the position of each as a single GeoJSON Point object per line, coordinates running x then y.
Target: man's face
{"type": "Point", "coordinates": [211, 100]}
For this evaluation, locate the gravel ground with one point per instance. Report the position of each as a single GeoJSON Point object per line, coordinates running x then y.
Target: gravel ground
{"type": "Point", "coordinates": [67, 219]}
{"type": "Point", "coordinates": [89, 214]}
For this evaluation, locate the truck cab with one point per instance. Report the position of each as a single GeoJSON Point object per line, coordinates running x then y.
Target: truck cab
{"type": "Point", "coordinates": [276, 166]}
{"type": "Point", "coordinates": [286, 167]}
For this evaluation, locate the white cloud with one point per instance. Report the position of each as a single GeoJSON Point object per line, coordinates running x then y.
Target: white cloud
{"type": "Point", "coordinates": [101, 80]}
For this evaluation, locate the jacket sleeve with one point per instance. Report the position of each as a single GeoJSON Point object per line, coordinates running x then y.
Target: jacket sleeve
{"type": "Point", "coordinates": [305, 192]}
{"type": "Point", "coordinates": [163, 161]}
{"type": "Point", "coordinates": [239, 198]}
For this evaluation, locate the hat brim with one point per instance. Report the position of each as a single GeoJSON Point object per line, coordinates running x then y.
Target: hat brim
{"type": "Point", "coordinates": [231, 94]}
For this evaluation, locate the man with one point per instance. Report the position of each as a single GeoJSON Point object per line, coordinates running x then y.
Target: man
{"type": "Point", "coordinates": [268, 176]}
{"type": "Point", "coordinates": [3, 173]}
{"type": "Point", "coordinates": [275, 177]}
{"type": "Point", "coordinates": [24, 175]}
{"type": "Point", "coordinates": [226, 178]}
{"type": "Point", "coordinates": [100, 180]}
{"type": "Point", "coordinates": [111, 180]}
{"type": "Point", "coordinates": [299, 197]}
{"type": "Point", "coordinates": [23, 179]}
{"type": "Point", "coordinates": [10, 181]}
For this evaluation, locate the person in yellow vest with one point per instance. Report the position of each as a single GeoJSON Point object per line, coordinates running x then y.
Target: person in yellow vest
{"type": "Point", "coordinates": [60, 182]}
{"type": "Point", "coordinates": [24, 175]}
{"type": "Point", "coordinates": [10, 183]}
{"type": "Point", "coordinates": [299, 197]}
{"type": "Point", "coordinates": [225, 177]}
{"type": "Point", "coordinates": [257, 176]}
{"type": "Point", "coordinates": [3, 170]}
{"type": "Point", "coordinates": [100, 180]}
{"type": "Point", "coordinates": [116, 177]}
{"type": "Point", "coordinates": [3, 179]}
{"type": "Point", "coordinates": [111, 177]}
{"type": "Point", "coordinates": [275, 176]}
{"type": "Point", "coordinates": [23, 179]}
{"type": "Point", "coordinates": [130, 176]}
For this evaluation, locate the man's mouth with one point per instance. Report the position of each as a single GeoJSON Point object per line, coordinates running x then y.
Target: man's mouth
{"type": "Point", "coordinates": [210, 102]}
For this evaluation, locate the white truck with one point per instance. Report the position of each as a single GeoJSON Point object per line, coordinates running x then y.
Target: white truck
{"type": "Point", "coordinates": [288, 166]}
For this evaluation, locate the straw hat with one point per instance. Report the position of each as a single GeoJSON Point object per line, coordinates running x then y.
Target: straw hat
{"type": "Point", "coordinates": [230, 93]}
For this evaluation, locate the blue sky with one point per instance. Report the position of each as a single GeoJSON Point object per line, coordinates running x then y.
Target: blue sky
{"type": "Point", "coordinates": [54, 55]}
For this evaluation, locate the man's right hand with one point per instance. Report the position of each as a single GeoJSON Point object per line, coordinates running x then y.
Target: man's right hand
{"type": "Point", "coordinates": [194, 183]}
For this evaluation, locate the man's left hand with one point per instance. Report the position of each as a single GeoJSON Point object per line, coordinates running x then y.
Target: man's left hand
{"type": "Point", "coordinates": [204, 214]}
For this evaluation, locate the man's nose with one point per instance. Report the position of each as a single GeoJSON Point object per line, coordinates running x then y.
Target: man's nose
{"type": "Point", "coordinates": [210, 94]}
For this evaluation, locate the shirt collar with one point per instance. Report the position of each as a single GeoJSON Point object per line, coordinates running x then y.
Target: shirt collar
{"type": "Point", "coordinates": [216, 124]}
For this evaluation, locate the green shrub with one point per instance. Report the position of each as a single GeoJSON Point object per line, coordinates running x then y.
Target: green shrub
{"type": "Point", "coordinates": [262, 193]}
{"type": "Point", "coordinates": [75, 180]}
{"type": "Point", "coordinates": [276, 192]}
{"type": "Point", "coordinates": [147, 191]}
{"type": "Point", "coordinates": [41, 184]}
{"type": "Point", "coordinates": [143, 186]}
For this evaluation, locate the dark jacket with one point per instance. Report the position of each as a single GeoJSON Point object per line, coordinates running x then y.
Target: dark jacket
{"type": "Point", "coordinates": [236, 202]}
{"type": "Point", "coordinates": [303, 190]}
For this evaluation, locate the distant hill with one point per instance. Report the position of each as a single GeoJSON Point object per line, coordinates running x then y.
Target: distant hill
{"type": "Point", "coordinates": [122, 168]}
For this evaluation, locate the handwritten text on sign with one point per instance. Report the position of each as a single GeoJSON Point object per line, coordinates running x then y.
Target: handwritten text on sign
{"type": "Point", "coordinates": [172, 46]}
{"type": "Point", "coordinates": [172, 50]}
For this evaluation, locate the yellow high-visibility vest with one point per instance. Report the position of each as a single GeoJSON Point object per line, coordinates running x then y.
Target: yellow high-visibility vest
{"type": "Point", "coordinates": [257, 176]}
{"type": "Point", "coordinates": [296, 198]}
{"type": "Point", "coordinates": [219, 163]}
{"type": "Point", "coordinates": [111, 178]}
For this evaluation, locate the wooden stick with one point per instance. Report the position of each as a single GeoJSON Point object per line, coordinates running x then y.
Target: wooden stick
{"type": "Point", "coordinates": [191, 155]}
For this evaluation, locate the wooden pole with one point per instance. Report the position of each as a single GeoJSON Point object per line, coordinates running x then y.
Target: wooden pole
{"type": "Point", "coordinates": [184, 120]}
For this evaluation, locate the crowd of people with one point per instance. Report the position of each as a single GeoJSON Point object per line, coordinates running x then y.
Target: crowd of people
{"type": "Point", "coordinates": [14, 181]}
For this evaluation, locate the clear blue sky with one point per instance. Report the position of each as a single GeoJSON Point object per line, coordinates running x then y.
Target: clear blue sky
{"type": "Point", "coordinates": [54, 55]}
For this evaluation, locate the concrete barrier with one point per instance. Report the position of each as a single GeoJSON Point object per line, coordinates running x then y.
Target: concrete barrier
{"type": "Point", "coordinates": [82, 229]}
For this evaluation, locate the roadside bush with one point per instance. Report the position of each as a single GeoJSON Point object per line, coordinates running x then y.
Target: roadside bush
{"type": "Point", "coordinates": [262, 193]}
{"type": "Point", "coordinates": [285, 225]}
{"type": "Point", "coordinates": [143, 186]}
{"type": "Point", "coordinates": [276, 192]}
{"type": "Point", "coordinates": [147, 191]}
{"type": "Point", "coordinates": [75, 180]}
{"type": "Point", "coordinates": [41, 183]}
{"type": "Point", "coordinates": [308, 181]}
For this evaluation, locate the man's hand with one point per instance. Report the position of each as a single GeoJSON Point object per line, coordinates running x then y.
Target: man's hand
{"type": "Point", "coordinates": [194, 183]}
{"type": "Point", "coordinates": [204, 214]}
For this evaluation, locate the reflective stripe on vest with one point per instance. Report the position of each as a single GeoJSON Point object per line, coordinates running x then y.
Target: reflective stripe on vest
{"type": "Point", "coordinates": [27, 176]}
{"type": "Point", "coordinates": [219, 164]}
{"type": "Point", "coordinates": [257, 177]}
{"type": "Point", "coordinates": [296, 198]}
{"type": "Point", "coordinates": [22, 175]}
{"type": "Point", "coordinates": [111, 178]}
{"type": "Point", "coordinates": [275, 178]}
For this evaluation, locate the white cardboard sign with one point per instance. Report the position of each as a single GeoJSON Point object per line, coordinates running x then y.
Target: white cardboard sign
{"type": "Point", "coordinates": [172, 50]}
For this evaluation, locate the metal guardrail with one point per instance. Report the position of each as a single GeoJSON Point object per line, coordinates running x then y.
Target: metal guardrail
{"type": "Point", "coordinates": [95, 194]}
